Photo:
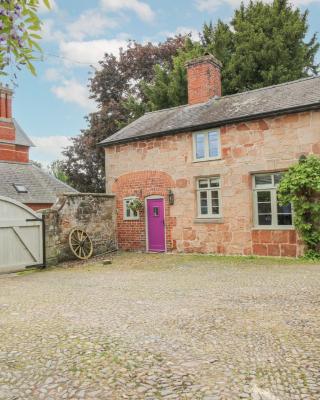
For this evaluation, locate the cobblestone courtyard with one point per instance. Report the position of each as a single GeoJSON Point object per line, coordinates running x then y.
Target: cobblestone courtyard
{"type": "Point", "coordinates": [162, 327]}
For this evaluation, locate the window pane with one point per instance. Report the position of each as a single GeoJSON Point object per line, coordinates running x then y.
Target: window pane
{"type": "Point", "coordinates": [204, 203]}
{"type": "Point", "coordinates": [213, 140]}
{"type": "Point", "coordinates": [215, 210]}
{"type": "Point", "coordinates": [214, 194]}
{"type": "Point", "coordinates": [264, 208]}
{"type": "Point", "coordinates": [284, 209]}
{"type": "Point", "coordinates": [277, 177]}
{"type": "Point", "coordinates": [203, 183]}
{"type": "Point", "coordinates": [215, 202]}
{"type": "Point", "coordinates": [263, 180]}
{"type": "Point", "coordinates": [264, 197]}
{"type": "Point", "coordinates": [215, 182]}
{"type": "Point", "coordinates": [200, 145]}
{"type": "Point", "coordinates": [284, 219]}
{"type": "Point", "coordinates": [265, 219]}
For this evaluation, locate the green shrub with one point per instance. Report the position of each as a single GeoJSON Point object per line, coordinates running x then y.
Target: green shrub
{"type": "Point", "coordinates": [300, 186]}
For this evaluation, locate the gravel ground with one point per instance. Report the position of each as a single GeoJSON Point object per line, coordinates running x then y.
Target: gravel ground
{"type": "Point", "coordinates": [162, 327]}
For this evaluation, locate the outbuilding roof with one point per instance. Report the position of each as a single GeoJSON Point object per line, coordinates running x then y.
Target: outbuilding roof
{"type": "Point", "coordinates": [290, 97]}
{"type": "Point", "coordinates": [41, 187]}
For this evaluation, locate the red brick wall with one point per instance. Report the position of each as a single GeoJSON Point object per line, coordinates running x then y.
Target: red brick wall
{"type": "Point", "coordinates": [38, 206]}
{"type": "Point", "coordinates": [132, 234]}
{"type": "Point", "coordinates": [7, 130]}
{"type": "Point", "coordinates": [271, 144]}
{"type": "Point", "coordinates": [11, 152]}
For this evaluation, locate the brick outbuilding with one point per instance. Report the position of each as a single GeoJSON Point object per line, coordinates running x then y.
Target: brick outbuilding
{"type": "Point", "coordinates": [206, 173]}
{"type": "Point", "coordinates": [20, 179]}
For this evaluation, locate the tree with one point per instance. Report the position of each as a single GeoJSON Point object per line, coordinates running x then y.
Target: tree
{"type": "Point", "coordinates": [55, 169]}
{"type": "Point", "coordinates": [263, 45]}
{"type": "Point", "coordinates": [112, 86]}
{"type": "Point", "coordinates": [19, 32]}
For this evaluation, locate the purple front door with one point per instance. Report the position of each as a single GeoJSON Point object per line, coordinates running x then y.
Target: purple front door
{"type": "Point", "coordinates": [156, 232]}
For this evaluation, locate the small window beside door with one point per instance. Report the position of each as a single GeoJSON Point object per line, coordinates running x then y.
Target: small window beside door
{"type": "Point", "coordinates": [128, 214]}
{"type": "Point", "coordinates": [268, 213]}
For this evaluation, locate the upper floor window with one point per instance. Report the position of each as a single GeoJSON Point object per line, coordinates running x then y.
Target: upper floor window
{"type": "Point", "coordinates": [129, 214]}
{"type": "Point", "coordinates": [208, 197]}
{"type": "Point", "coordinates": [206, 145]}
{"type": "Point", "coordinates": [267, 210]}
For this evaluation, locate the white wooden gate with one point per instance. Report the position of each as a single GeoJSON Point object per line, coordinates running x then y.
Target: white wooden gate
{"type": "Point", "coordinates": [21, 240]}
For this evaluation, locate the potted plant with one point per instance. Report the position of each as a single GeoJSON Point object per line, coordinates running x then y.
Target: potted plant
{"type": "Point", "coordinates": [135, 205]}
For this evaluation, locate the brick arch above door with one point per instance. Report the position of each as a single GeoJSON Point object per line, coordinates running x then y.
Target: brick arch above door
{"type": "Point", "coordinates": [141, 184]}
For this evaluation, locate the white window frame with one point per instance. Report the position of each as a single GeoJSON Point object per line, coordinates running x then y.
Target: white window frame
{"type": "Point", "coordinates": [272, 188]}
{"type": "Point", "coordinates": [209, 189]}
{"type": "Point", "coordinates": [132, 217]}
{"type": "Point", "coordinates": [206, 145]}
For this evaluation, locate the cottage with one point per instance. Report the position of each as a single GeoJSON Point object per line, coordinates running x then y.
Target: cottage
{"type": "Point", "coordinates": [20, 179]}
{"type": "Point", "coordinates": [207, 172]}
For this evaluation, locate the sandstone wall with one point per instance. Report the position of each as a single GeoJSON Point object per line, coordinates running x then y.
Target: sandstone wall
{"type": "Point", "coordinates": [156, 165]}
{"type": "Point", "coordinates": [94, 213]}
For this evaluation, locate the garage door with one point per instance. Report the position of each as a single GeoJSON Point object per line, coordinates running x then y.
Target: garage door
{"type": "Point", "coordinates": [20, 236]}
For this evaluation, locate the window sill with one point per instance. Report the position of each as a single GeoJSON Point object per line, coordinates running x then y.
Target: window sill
{"type": "Point", "coordinates": [273, 228]}
{"type": "Point", "coordinates": [131, 219]}
{"type": "Point", "coordinates": [207, 159]}
{"type": "Point", "coordinates": [208, 221]}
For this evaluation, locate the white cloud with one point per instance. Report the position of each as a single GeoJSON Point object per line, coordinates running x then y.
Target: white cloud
{"type": "Point", "coordinates": [212, 5]}
{"type": "Point", "coordinates": [92, 51]}
{"type": "Point", "coordinates": [52, 74]}
{"type": "Point", "coordinates": [182, 30]}
{"type": "Point", "coordinates": [72, 91]}
{"type": "Point", "coordinates": [43, 9]}
{"type": "Point", "coordinates": [49, 33]}
{"type": "Point", "coordinates": [89, 24]}
{"type": "Point", "coordinates": [143, 10]}
{"type": "Point", "coordinates": [48, 148]}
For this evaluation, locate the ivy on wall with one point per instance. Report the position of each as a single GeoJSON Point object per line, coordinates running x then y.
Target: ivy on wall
{"type": "Point", "coordinates": [301, 186]}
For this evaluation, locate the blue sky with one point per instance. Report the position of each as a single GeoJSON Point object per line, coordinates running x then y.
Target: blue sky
{"type": "Point", "coordinates": [51, 107]}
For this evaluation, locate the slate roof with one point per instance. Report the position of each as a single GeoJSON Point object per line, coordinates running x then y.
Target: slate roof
{"type": "Point", "coordinates": [289, 97]}
{"type": "Point", "coordinates": [21, 137]}
{"type": "Point", "coordinates": [42, 187]}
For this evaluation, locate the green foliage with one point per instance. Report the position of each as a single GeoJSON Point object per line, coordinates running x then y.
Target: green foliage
{"type": "Point", "coordinates": [56, 169]}
{"type": "Point", "coordinates": [301, 186]}
{"type": "Point", "coordinates": [19, 33]}
{"type": "Point", "coordinates": [263, 45]}
{"type": "Point", "coordinates": [135, 205]}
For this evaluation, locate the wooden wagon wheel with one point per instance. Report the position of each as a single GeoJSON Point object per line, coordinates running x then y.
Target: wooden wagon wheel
{"type": "Point", "coordinates": [80, 244]}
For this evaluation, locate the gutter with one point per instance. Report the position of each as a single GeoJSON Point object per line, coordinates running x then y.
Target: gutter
{"type": "Point", "coordinates": [192, 128]}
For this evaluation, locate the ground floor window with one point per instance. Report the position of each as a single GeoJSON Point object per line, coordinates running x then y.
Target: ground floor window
{"type": "Point", "coordinates": [267, 210]}
{"type": "Point", "coordinates": [208, 197]}
{"type": "Point", "coordinates": [129, 214]}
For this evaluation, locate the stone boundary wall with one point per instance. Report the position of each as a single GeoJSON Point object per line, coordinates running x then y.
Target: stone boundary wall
{"type": "Point", "coordinates": [92, 212]}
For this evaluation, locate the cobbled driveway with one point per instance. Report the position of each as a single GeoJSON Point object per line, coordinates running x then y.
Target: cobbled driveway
{"type": "Point", "coordinates": [162, 327]}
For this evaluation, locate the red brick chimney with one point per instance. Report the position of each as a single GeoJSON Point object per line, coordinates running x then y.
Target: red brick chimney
{"type": "Point", "coordinates": [11, 149]}
{"type": "Point", "coordinates": [7, 131]}
{"type": "Point", "coordinates": [204, 79]}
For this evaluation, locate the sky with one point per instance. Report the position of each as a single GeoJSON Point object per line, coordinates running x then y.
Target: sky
{"type": "Point", "coordinates": [52, 107]}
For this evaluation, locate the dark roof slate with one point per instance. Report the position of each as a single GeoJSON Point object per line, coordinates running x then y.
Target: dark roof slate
{"type": "Point", "coordinates": [42, 187]}
{"type": "Point", "coordinates": [279, 99]}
